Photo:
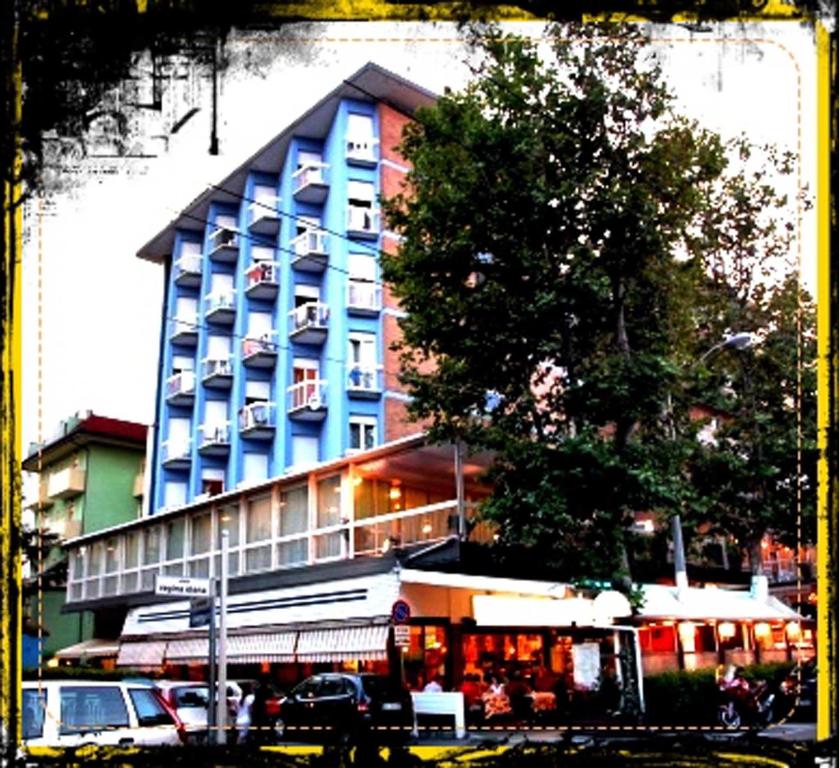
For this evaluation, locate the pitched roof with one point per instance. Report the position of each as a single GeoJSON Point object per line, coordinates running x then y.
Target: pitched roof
{"type": "Point", "coordinates": [371, 83]}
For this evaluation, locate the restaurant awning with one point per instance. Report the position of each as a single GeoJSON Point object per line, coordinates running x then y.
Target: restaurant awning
{"type": "Point", "coordinates": [146, 653]}
{"type": "Point", "coordinates": [343, 644]}
{"type": "Point", "coordinates": [667, 602]}
{"type": "Point", "coordinates": [89, 649]}
{"type": "Point", "coordinates": [194, 649]}
{"type": "Point", "coordinates": [497, 611]}
{"type": "Point", "coordinates": [262, 647]}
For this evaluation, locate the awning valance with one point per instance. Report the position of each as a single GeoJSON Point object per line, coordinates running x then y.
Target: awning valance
{"type": "Point", "coordinates": [89, 649]}
{"type": "Point", "coordinates": [343, 644]}
{"type": "Point", "coordinates": [261, 647]}
{"type": "Point", "coordinates": [195, 649]}
{"type": "Point", "coordinates": [147, 653]}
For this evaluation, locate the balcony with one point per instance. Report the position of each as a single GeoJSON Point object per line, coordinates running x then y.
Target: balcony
{"type": "Point", "coordinates": [363, 222]}
{"type": "Point", "coordinates": [180, 388]}
{"type": "Point", "coordinates": [224, 246]}
{"type": "Point", "coordinates": [217, 372]}
{"type": "Point", "coordinates": [175, 453]}
{"type": "Point", "coordinates": [311, 253]}
{"type": "Point", "coordinates": [65, 528]}
{"type": "Point", "coordinates": [258, 420]}
{"type": "Point", "coordinates": [184, 331]}
{"type": "Point", "coordinates": [309, 323]}
{"type": "Point", "coordinates": [214, 439]}
{"type": "Point", "coordinates": [262, 280]}
{"type": "Point", "coordinates": [364, 382]}
{"type": "Point", "coordinates": [66, 483]}
{"type": "Point", "coordinates": [362, 151]}
{"type": "Point", "coordinates": [187, 271]}
{"type": "Point", "coordinates": [44, 499]}
{"type": "Point", "coordinates": [364, 298]}
{"type": "Point", "coordinates": [259, 352]}
{"type": "Point", "coordinates": [307, 400]}
{"type": "Point", "coordinates": [220, 307]}
{"type": "Point", "coordinates": [309, 181]}
{"type": "Point", "coordinates": [263, 217]}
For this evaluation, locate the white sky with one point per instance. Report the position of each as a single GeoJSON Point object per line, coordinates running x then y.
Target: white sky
{"type": "Point", "coordinates": [100, 306]}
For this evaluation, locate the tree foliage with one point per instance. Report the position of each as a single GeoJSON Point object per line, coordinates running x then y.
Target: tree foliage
{"type": "Point", "coordinates": [559, 224]}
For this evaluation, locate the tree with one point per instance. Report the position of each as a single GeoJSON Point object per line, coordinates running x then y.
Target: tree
{"type": "Point", "coordinates": [553, 225]}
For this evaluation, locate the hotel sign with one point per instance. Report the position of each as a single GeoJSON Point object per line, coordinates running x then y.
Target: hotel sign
{"type": "Point", "coordinates": [177, 586]}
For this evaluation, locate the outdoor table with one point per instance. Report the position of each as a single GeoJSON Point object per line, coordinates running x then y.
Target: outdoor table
{"type": "Point", "coordinates": [543, 701]}
{"type": "Point", "coordinates": [496, 704]}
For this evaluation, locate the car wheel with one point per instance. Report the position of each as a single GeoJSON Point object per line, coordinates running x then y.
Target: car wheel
{"type": "Point", "coordinates": [729, 716]}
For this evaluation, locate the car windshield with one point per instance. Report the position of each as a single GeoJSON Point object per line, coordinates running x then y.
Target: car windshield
{"type": "Point", "coordinates": [191, 696]}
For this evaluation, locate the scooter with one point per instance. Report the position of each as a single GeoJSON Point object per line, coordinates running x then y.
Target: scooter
{"type": "Point", "coordinates": [745, 707]}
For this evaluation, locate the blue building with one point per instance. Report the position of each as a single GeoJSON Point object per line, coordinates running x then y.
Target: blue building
{"type": "Point", "coordinates": [276, 329]}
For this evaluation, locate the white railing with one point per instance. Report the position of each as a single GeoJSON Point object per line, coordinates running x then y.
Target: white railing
{"type": "Point", "coordinates": [224, 237]}
{"type": "Point", "coordinates": [312, 314]}
{"type": "Point", "coordinates": [309, 173]}
{"type": "Point", "coordinates": [188, 264]}
{"type": "Point", "coordinates": [363, 149]}
{"type": "Point", "coordinates": [255, 415]}
{"type": "Point", "coordinates": [175, 449]}
{"type": "Point", "coordinates": [216, 366]}
{"type": "Point", "coordinates": [182, 383]}
{"type": "Point", "coordinates": [263, 344]}
{"type": "Point", "coordinates": [364, 296]}
{"type": "Point", "coordinates": [364, 378]}
{"type": "Point", "coordinates": [214, 434]}
{"type": "Point", "coordinates": [262, 273]}
{"type": "Point", "coordinates": [307, 394]}
{"type": "Point", "coordinates": [363, 219]}
{"type": "Point", "coordinates": [182, 324]}
{"type": "Point", "coordinates": [267, 208]}
{"type": "Point", "coordinates": [312, 241]}
{"type": "Point", "coordinates": [219, 300]}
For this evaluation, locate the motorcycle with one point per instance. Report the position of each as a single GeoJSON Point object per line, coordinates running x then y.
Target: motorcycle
{"type": "Point", "coordinates": [745, 704]}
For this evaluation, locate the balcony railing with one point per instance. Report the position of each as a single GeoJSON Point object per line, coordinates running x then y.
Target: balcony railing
{"type": "Point", "coordinates": [362, 221]}
{"type": "Point", "coordinates": [224, 245]}
{"type": "Point", "coordinates": [262, 280]}
{"type": "Point", "coordinates": [214, 439]}
{"type": "Point", "coordinates": [258, 420]}
{"type": "Point", "coordinates": [184, 330]}
{"type": "Point", "coordinates": [175, 453]}
{"type": "Point", "coordinates": [264, 217]}
{"type": "Point", "coordinates": [180, 388]}
{"type": "Point", "coordinates": [307, 400]}
{"type": "Point", "coordinates": [364, 298]}
{"type": "Point", "coordinates": [188, 270]}
{"type": "Point", "coordinates": [66, 483]}
{"type": "Point", "coordinates": [259, 352]}
{"type": "Point", "coordinates": [220, 307]}
{"type": "Point", "coordinates": [364, 381]}
{"type": "Point", "coordinates": [361, 151]}
{"type": "Point", "coordinates": [309, 182]}
{"type": "Point", "coordinates": [311, 251]}
{"type": "Point", "coordinates": [309, 323]}
{"type": "Point", "coordinates": [217, 372]}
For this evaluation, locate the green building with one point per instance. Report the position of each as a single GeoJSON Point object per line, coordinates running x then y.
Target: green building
{"type": "Point", "coordinates": [90, 477]}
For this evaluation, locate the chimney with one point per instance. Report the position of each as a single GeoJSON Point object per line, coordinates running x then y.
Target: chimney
{"type": "Point", "coordinates": [759, 589]}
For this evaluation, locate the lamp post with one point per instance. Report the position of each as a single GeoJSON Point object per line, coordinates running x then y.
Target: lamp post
{"type": "Point", "coordinates": [738, 341]}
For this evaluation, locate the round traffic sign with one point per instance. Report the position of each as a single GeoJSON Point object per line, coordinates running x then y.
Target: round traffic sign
{"type": "Point", "coordinates": [400, 612]}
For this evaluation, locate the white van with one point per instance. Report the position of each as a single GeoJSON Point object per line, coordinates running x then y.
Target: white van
{"type": "Point", "coordinates": [70, 713]}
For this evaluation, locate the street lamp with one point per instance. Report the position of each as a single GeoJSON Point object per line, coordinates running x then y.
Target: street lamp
{"type": "Point", "coordinates": [738, 341]}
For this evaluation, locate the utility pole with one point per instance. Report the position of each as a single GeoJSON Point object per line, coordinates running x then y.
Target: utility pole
{"type": "Point", "coordinates": [211, 710]}
{"type": "Point", "coordinates": [222, 645]}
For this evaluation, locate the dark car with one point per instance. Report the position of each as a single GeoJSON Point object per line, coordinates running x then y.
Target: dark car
{"type": "Point", "coordinates": [344, 707]}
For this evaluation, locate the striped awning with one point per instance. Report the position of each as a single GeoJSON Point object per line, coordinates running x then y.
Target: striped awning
{"type": "Point", "coordinates": [89, 649]}
{"type": "Point", "coordinates": [261, 647]}
{"type": "Point", "coordinates": [343, 644]}
{"type": "Point", "coordinates": [194, 649]}
{"type": "Point", "coordinates": [147, 653]}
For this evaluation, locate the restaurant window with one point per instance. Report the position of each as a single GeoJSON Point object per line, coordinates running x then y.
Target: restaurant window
{"type": "Point", "coordinates": [150, 556]}
{"type": "Point", "coordinates": [112, 555]}
{"type": "Point", "coordinates": [228, 520]}
{"type": "Point", "coordinates": [201, 529]}
{"type": "Point", "coordinates": [425, 657]}
{"type": "Point", "coordinates": [658, 639]}
{"type": "Point", "coordinates": [294, 519]}
{"type": "Point", "coordinates": [175, 539]}
{"type": "Point", "coordinates": [258, 528]}
{"type": "Point", "coordinates": [328, 514]}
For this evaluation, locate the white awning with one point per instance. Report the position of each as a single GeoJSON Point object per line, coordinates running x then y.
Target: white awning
{"type": "Point", "coordinates": [498, 611]}
{"type": "Point", "coordinates": [190, 649]}
{"type": "Point", "coordinates": [495, 584]}
{"type": "Point", "coordinates": [89, 649]}
{"type": "Point", "coordinates": [147, 653]}
{"type": "Point", "coordinates": [343, 644]}
{"type": "Point", "coordinates": [257, 648]}
{"type": "Point", "coordinates": [666, 602]}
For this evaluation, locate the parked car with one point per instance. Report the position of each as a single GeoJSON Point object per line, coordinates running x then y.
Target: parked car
{"type": "Point", "coordinates": [344, 707]}
{"type": "Point", "coordinates": [71, 713]}
{"type": "Point", "coordinates": [191, 699]}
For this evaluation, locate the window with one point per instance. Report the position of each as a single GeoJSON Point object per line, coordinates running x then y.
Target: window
{"type": "Point", "coordinates": [257, 392]}
{"type": "Point", "coordinates": [218, 347]}
{"type": "Point", "coordinates": [148, 708]}
{"type": "Point", "coordinates": [307, 223]}
{"type": "Point", "coordinates": [361, 266]}
{"type": "Point", "coordinates": [178, 443]}
{"type": "Point", "coordinates": [228, 520]}
{"type": "Point", "coordinates": [254, 467]}
{"type": "Point", "coordinates": [265, 198]}
{"type": "Point", "coordinates": [151, 546]}
{"type": "Point", "coordinates": [361, 193]}
{"type": "Point", "coordinates": [359, 127]}
{"type": "Point", "coordinates": [182, 363]}
{"type": "Point", "coordinates": [294, 518]}
{"type": "Point", "coordinates": [328, 514]}
{"type": "Point", "coordinates": [190, 248]}
{"type": "Point", "coordinates": [34, 704]}
{"type": "Point", "coordinates": [215, 421]}
{"type": "Point", "coordinates": [261, 253]}
{"type": "Point", "coordinates": [91, 709]}
{"type": "Point", "coordinates": [175, 535]}
{"type": "Point", "coordinates": [174, 494]}
{"type": "Point", "coordinates": [258, 528]}
{"type": "Point", "coordinates": [362, 433]}
{"type": "Point", "coordinates": [201, 531]}
{"type": "Point", "coordinates": [186, 310]}
{"type": "Point", "coordinates": [212, 481]}
{"type": "Point", "coordinates": [305, 451]}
